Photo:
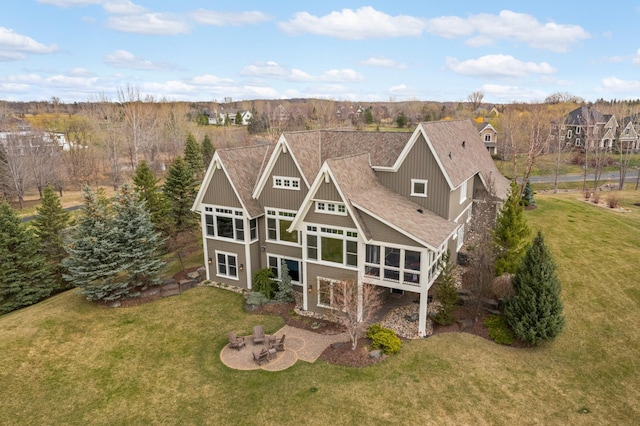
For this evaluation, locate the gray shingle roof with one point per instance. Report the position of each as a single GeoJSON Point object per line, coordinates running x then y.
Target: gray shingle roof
{"type": "Point", "coordinates": [244, 166]}
{"type": "Point", "coordinates": [359, 184]}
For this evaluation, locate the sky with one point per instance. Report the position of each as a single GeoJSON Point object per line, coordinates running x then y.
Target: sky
{"type": "Point", "coordinates": [376, 51]}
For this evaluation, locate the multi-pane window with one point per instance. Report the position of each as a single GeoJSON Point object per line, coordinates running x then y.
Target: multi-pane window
{"type": "Point", "coordinates": [278, 221]}
{"type": "Point", "coordinates": [282, 182]}
{"type": "Point", "coordinates": [224, 223]}
{"type": "Point", "coordinates": [463, 191]}
{"type": "Point", "coordinates": [331, 208]}
{"type": "Point", "coordinates": [392, 264]}
{"type": "Point", "coordinates": [487, 137]}
{"type": "Point", "coordinates": [325, 289]}
{"type": "Point", "coordinates": [227, 264]}
{"type": "Point", "coordinates": [294, 266]}
{"type": "Point", "coordinates": [253, 229]}
{"type": "Point", "coordinates": [332, 245]}
{"type": "Point", "coordinates": [418, 187]}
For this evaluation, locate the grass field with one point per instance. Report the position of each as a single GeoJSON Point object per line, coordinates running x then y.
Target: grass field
{"type": "Point", "coordinates": [66, 361]}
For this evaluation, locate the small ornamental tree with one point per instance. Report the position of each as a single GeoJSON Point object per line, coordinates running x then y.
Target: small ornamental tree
{"type": "Point", "coordinates": [284, 293]}
{"type": "Point", "coordinates": [527, 195]}
{"type": "Point", "coordinates": [49, 224]}
{"type": "Point", "coordinates": [207, 151]}
{"type": "Point", "coordinates": [264, 283]}
{"type": "Point", "coordinates": [355, 305]}
{"type": "Point", "coordinates": [25, 276]}
{"type": "Point", "coordinates": [534, 313]}
{"type": "Point", "coordinates": [511, 233]}
{"type": "Point", "coordinates": [446, 292]}
{"type": "Point", "coordinates": [180, 191]}
{"type": "Point", "coordinates": [193, 155]}
{"type": "Point", "coordinates": [138, 243]}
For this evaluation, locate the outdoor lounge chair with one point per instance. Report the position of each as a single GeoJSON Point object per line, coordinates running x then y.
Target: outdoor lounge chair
{"type": "Point", "coordinates": [261, 357]}
{"type": "Point", "coordinates": [236, 342]}
{"type": "Point", "coordinates": [278, 345]}
{"type": "Point", "coordinates": [258, 335]}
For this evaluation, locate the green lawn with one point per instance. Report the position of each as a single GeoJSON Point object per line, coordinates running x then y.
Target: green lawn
{"type": "Point", "coordinates": [66, 361]}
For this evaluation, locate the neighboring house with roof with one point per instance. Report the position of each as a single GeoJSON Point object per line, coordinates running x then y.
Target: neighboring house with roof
{"type": "Point", "coordinates": [375, 207]}
{"type": "Point", "coordinates": [220, 118]}
{"type": "Point", "coordinates": [489, 136]}
{"type": "Point", "coordinates": [586, 128]}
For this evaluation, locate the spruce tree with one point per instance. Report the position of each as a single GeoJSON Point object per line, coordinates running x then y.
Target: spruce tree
{"type": "Point", "coordinates": [193, 155]}
{"type": "Point", "coordinates": [146, 184]}
{"type": "Point", "coordinates": [534, 313]}
{"type": "Point", "coordinates": [445, 292]}
{"type": "Point", "coordinates": [207, 151]}
{"type": "Point", "coordinates": [284, 293]}
{"type": "Point", "coordinates": [25, 276]}
{"type": "Point", "coordinates": [511, 233]}
{"type": "Point", "coordinates": [238, 118]}
{"type": "Point", "coordinates": [180, 191]}
{"type": "Point", "coordinates": [527, 195]}
{"type": "Point", "coordinates": [49, 224]}
{"type": "Point", "coordinates": [94, 264]}
{"type": "Point", "coordinates": [138, 243]}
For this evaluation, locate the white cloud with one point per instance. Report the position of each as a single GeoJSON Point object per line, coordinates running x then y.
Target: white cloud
{"type": "Point", "coordinates": [620, 86]}
{"type": "Point", "coordinates": [400, 89]}
{"type": "Point", "coordinates": [508, 25]}
{"type": "Point", "coordinates": [380, 62]}
{"type": "Point", "coordinates": [635, 60]}
{"type": "Point", "coordinates": [363, 23]}
{"type": "Point", "coordinates": [221, 19]}
{"type": "Point", "coordinates": [506, 93]}
{"type": "Point", "coordinates": [272, 69]}
{"type": "Point", "coordinates": [123, 7]}
{"type": "Point", "coordinates": [210, 80]}
{"type": "Point", "coordinates": [498, 66]}
{"type": "Point", "coordinates": [69, 3]}
{"type": "Point", "coordinates": [14, 46]}
{"type": "Point", "coordinates": [125, 59]}
{"type": "Point", "coordinates": [81, 72]}
{"type": "Point", "coordinates": [149, 23]}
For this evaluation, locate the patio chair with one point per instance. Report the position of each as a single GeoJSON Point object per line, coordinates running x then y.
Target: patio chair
{"type": "Point", "coordinates": [261, 357]}
{"type": "Point", "coordinates": [258, 335]}
{"type": "Point", "coordinates": [236, 342]}
{"type": "Point", "coordinates": [278, 345]}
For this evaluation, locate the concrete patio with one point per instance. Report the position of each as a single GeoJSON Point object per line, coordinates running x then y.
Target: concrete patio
{"type": "Point", "coordinates": [299, 344]}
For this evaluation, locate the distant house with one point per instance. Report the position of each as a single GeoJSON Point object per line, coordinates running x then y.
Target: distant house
{"type": "Point", "coordinates": [28, 140]}
{"type": "Point", "coordinates": [220, 118]}
{"type": "Point", "coordinates": [587, 128]}
{"type": "Point", "coordinates": [489, 136]}
{"type": "Point", "coordinates": [376, 207]}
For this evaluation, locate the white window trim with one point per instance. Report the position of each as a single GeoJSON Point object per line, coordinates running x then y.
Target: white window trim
{"type": "Point", "coordinates": [463, 192]}
{"type": "Point", "coordinates": [413, 186]}
{"type": "Point", "coordinates": [233, 214]}
{"type": "Point", "coordinates": [331, 282]}
{"type": "Point", "coordinates": [328, 207]}
{"type": "Point", "coordinates": [460, 236]}
{"type": "Point", "coordinates": [285, 182]}
{"type": "Point", "coordinates": [320, 231]}
{"type": "Point", "coordinates": [280, 259]}
{"type": "Point", "coordinates": [257, 231]}
{"type": "Point", "coordinates": [227, 255]}
{"type": "Point", "coordinates": [277, 216]}
{"type": "Point", "coordinates": [401, 269]}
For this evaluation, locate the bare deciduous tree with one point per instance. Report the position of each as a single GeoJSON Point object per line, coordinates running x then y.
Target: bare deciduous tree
{"type": "Point", "coordinates": [16, 166]}
{"type": "Point", "coordinates": [355, 305]}
{"type": "Point", "coordinates": [475, 99]}
{"type": "Point", "coordinates": [140, 122]}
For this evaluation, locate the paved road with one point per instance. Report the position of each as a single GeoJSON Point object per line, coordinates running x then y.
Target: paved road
{"type": "Point", "coordinates": [631, 177]}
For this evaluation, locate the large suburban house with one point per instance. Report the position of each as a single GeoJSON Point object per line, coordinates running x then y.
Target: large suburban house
{"type": "Point", "coordinates": [587, 128]}
{"type": "Point", "coordinates": [221, 117]}
{"type": "Point", "coordinates": [375, 207]}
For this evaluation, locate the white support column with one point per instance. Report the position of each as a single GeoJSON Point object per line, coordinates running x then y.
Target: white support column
{"type": "Point", "coordinates": [425, 268]}
{"type": "Point", "coordinates": [205, 250]}
{"type": "Point", "coordinates": [305, 275]}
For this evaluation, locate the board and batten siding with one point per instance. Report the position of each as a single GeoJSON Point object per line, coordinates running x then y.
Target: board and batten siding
{"type": "Point", "coordinates": [283, 198]}
{"type": "Point", "coordinates": [228, 247]}
{"type": "Point", "coordinates": [382, 233]}
{"type": "Point", "coordinates": [455, 207]}
{"type": "Point", "coordinates": [220, 192]}
{"type": "Point", "coordinates": [420, 164]}
{"type": "Point", "coordinates": [327, 191]}
{"type": "Point", "coordinates": [314, 271]}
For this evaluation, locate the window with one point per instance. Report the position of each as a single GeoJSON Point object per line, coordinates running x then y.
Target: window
{"type": "Point", "coordinates": [224, 223]}
{"type": "Point", "coordinates": [460, 237]}
{"type": "Point", "coordinates": [253, 229]}
{"type": "Point", "coordinates": [463, 192]}
{"type": "Point", "coordinates": [569, 133]}
{"type": "Point", "coordinates": [281, 182]}
{"type": "Point", "coordinates": [398, 265]}
{"type": "Point", "coordinates": [578, 142]}
{"type": "Point", "coordinates": [578, 130]}
{"type": "Point", "coordinates": [331, 208]}
{"type": "Point", "coordinates": [418, 187]}
{"type": "Point", "coordinates": [332, 245]}
{"type": "Point", "coordinates": [227, 265]}
{"type": "Point", "coordinates": [487, 137]}
{"type": "Point", "coordinates": [278, 221]}
{"type": "Point", "coordinates": [294, 266]}
{"type": "Point", "coordinates": [326, 289]}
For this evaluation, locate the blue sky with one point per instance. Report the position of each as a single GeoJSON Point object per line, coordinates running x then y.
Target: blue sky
{"type": "Point", "coordinates": [197, 50]}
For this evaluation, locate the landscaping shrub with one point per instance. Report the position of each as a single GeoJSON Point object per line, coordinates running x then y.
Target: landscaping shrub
{"type": "Point", "coordinates": [446, 292]}
{"type": "Point", "coordinates": [264, 283]}
{"type": "Point", "coordinates": [499, 331]}
{"type": "Point", "coordinates": [256, 298]}
{"type": "Point", "coordinates": [502, 287]}
{"type": "Point", "coordinates": [613, 200]}
{"type": "Point", "coordinates": [384, 339]}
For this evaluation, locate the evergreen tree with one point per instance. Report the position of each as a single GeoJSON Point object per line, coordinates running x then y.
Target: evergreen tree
{"type": "Point", "coordinates": [93, 263]}
{"type": "Point", "coordinates": [285, 288]}
{"type": "Point", "coordinates": [49, 224]}
{"type": "Point", "coordinates": [193, 155]}
{"type": "Point", "coordinates": [146, 184]}
{"type": "Point", "coordinates": [180, 191]}
{"type": "Point", "coordinates": [511, 233]}
{"type": "Point", "coordinates": [25, 276]}
{"type": "Point", "coordinates": [527, 195]}
{"type": "Point", "coordinates": [207, 151]}
{"type": "Point", "coordinates": [402, 120]}
{"type": "Point", "coordinates": [446, 292]}
{"type": "Point", "coordinates": [534, 313]}
{"type": "Point", "coordinates": [368, 116]}
{"type": "Point", "coordinates": [138, 243]}
{"type": "Point", "coordinates": [238, 118]}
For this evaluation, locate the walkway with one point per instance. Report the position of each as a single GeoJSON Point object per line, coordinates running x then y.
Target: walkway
{"type": "Point", "coordinates": [299, 344]}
